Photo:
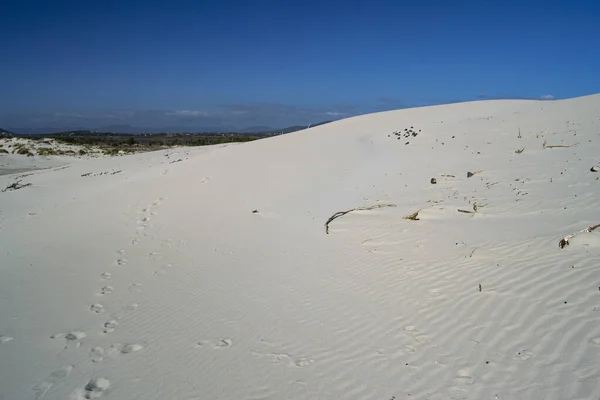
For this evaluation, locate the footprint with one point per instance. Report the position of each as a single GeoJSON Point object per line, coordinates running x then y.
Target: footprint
{"type": "Point", "coordinates": [121, 252]}
{"type": "Point", "coordinates": [126, 348]}
{"type": "Point", "coordinates": [106, 290]}
{"type": "Point", "coordinates": [303, 362]}
{"type": "Point", "coordinates": [71, 336]}
{"type": "Point", "coordinates": [457, 393]}
{"type": "Point", "coordinates": [97, 308]}
{"type": "Point", "coordinates": [5, 339]}
{"type": "Point", "coordinates": [158, 201]}
{"type": "Point", "coordinates": [106, 276]}
{"type": "Point", "coordinates": [135, 241]}
{"type": "Point", "coordinates": [409, 349]}
{"type": "Point", "coordinates": [43, 387]}
{"type": "Point", "coordinates": [414, 332]}
{"type": "Point", "coordinates": [96, 354]}
{"type": "Point", "coordinates": [94, 389]}
{"type": "Point", "coordinates": [217, 343]}
{"type": "Point", "coordinates": [463, 377]}
{"type": "Point", "coordinates": [110, 325]}
{"type": "Point", "coordinates": [286, 358]}
{"type": "Point", "coordinates": [76, 335]}
{"type": "Point", "coordinates": [121, 261]}
{"type": "Point", "coordinates": [461, 381]}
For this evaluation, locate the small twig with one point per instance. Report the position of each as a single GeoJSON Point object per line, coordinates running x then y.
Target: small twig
{"type": "Point", "coordinates": [472, 252]}
{"type": "Point", "coordinates": [470, 174]}
{"type": "Point", "coordinates": [340, 213]}
{"type": "Point", "coordinates": [565, 241]}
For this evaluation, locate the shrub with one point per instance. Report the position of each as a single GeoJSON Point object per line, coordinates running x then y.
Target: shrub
{"type": "Point", "coordinates": [24, 151]}
{"type": "Point", "coordinates": [47, 152]}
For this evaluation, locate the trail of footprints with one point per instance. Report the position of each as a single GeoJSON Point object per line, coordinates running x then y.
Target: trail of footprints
{"type": "Point", "coordinates": [280, 357]}
{"type": "Point", "coordinates": [97, 387]}
{"type": "Point", "coordinates": [145, 220]}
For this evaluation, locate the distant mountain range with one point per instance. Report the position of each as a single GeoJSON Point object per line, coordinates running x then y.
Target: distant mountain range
{"type": "Point", "coordinates": [128, 129]}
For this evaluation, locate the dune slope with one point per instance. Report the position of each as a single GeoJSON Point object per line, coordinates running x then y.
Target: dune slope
{"type": "Point", "coordinates": [208, 274]}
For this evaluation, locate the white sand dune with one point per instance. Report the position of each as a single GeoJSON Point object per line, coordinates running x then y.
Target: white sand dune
{"type": "Point", "coordinates": [149, 276]}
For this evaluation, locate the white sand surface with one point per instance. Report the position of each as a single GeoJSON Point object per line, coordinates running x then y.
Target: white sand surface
{"type": "Point", "coordinates": [150, 277]}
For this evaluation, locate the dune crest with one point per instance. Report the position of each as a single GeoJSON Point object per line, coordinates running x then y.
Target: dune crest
{"type": "Point", "coordinates": [214, 278]}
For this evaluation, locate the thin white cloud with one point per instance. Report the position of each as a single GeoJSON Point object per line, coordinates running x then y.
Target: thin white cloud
{"type": "Point", "coordinates": [547, 97]}
{"type": "Point", "coordinates": [188, 113]}
{"type": "Point", "coordinates": [335, 114]}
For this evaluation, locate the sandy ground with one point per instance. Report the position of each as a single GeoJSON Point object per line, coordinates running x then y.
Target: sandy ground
{"type": "Point", "coordinates": [207, 273]}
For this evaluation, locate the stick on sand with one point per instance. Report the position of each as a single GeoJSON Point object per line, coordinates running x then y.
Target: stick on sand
{"type": "Point", "coordinates": [340, 213]}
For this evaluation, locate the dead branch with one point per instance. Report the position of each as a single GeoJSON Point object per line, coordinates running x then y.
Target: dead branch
{"type": "Point", "coordinates": [15, 186]}
{"type": "Point", "coordinates": [340, 213]}
{"type": "Point", "coordinates": [555, 146]}
{"type": "Point", "coordinates": [565, 241]}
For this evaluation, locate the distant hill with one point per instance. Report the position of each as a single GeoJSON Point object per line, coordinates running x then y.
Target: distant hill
{"type": "Point", "coordinates": [131, 130]}
{"type": "Point", "coordinates": [6, 133]}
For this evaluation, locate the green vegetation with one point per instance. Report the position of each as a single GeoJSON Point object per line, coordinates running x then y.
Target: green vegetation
{"type": "Point", "coordinates": [23, 150]}
{"type": "Point", "coordinates": [45, 151]}
{"type": "Point", "coordinates": [109, 144]}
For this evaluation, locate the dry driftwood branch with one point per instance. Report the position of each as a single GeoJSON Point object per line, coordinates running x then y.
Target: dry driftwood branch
{"type": "Point", "coordinates": [565, 241]}
{"type": "Point", "coordinates": [15, 186]}
{"type": "Point", "coordinates": [340, 213]}
{"type": "Point", "coordinates": [565, 146]}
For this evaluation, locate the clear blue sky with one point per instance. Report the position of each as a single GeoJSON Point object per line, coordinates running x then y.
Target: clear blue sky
{"type": "Point", "coordinates": [242, 63]}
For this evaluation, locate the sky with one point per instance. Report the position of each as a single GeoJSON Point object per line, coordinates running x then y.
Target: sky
{"type": "Point", "coordinates": [235, 64]}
